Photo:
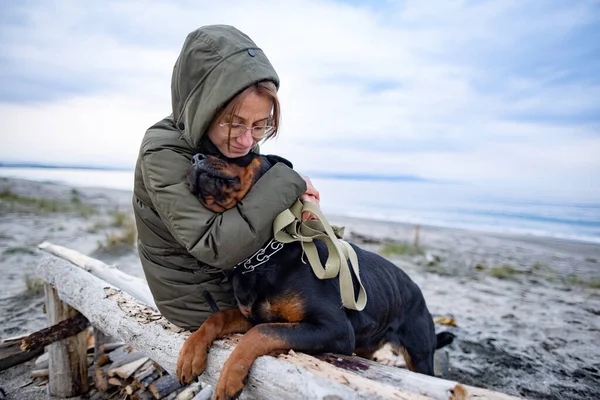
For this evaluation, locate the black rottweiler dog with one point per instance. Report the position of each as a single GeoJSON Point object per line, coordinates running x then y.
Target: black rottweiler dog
{"type": "Point", "coordinates": [283, 305]}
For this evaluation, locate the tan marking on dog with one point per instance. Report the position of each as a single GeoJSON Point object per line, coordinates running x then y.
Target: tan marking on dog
{"type": "Point", "coordinates": [289, 307]}
{"type": "Point", "coordinates": [408, 359]}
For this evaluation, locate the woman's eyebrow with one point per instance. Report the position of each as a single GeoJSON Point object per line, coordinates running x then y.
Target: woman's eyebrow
{"type": "Point", "coordinates": [244, 119]}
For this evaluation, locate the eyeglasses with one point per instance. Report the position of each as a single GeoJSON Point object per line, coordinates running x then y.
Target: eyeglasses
{"type": "Point", "coordinates": [258, 132]}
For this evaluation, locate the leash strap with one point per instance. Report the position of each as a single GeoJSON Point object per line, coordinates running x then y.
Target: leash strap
{"type": "Point", "coordinates": [288, 227]}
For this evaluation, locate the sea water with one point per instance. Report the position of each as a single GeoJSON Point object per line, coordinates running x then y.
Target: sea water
{"type": "Point", "coordinates": [428, 203]}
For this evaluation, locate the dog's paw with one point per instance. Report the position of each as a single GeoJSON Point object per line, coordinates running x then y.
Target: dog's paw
{"type": "Point", "coordinates": [192, 359]}
{"type": "Point", "coordinates": [232, 380]}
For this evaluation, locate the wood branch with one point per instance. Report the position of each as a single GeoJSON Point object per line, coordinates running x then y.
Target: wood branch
{"type": "Point", "coordinates": [64, 329]}
{"type": "Point", "coordinates": [290, 376]}
{"type": "Point", "coordinates": [164, 386]}
{"type": "Point", "coordinates": [136, 287]}
{"type": "Point", "coordinates": [11, 354]}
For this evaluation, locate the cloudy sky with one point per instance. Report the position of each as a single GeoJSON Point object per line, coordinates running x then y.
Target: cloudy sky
{"type": "Point", "coordinates": [503, 92]}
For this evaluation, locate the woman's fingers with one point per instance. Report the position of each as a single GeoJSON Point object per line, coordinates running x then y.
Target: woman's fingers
{"type": "Point", "coordinates": [306, 215]}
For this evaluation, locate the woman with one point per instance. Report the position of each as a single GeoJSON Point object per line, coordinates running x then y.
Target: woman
{"type": "Point", "coordinates": [224, 99]}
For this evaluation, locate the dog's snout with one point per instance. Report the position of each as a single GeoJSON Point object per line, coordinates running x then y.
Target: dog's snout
{"type": "Point", "coordinates": [197, 159]}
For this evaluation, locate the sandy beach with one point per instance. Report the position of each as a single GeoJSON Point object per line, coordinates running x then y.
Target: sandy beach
{"type": "Point", "coordinates": [526, 308]}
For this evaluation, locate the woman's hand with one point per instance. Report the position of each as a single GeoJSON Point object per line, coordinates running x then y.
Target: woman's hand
{"type": "Point", "coordinates": [312, 195]}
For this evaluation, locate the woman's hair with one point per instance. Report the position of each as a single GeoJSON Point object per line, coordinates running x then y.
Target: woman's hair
{"type": "Point", "coordinates": [263, 88]}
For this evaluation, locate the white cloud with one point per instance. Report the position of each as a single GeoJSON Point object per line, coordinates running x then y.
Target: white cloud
{"type": "Point", "coordinates": [429, 57]}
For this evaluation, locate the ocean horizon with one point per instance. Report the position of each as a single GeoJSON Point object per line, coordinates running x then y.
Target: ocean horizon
{"type": "Point", "coordinates": [400, 199]}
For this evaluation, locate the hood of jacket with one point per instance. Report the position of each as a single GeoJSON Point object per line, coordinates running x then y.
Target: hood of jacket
{"type": "Point", "coordinates": [216, 63]}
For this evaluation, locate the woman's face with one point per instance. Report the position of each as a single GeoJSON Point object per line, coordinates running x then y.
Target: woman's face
{"type": "Point", "coordinates": [254, 110]}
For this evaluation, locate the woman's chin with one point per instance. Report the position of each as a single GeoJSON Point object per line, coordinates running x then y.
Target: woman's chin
{"type": "Point", "coordinates": [235, 153]}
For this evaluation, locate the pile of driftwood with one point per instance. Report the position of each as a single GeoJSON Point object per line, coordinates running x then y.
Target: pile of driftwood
{"type": "Point", "coordinates": [120, 369]}
{"type": "Point", "coordinates": [121, 306]}
{"type": "Point", "coordinates": [114, 369]}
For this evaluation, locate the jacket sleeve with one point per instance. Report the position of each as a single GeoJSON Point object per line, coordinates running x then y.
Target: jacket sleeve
{"type": "Point", "coordinates": [218, 239]}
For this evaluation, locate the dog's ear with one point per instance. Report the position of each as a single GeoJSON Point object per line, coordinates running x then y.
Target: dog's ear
{"type": "Point", "coordinates": [273, 159]}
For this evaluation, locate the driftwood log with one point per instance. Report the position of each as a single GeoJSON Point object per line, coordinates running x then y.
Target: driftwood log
{"type": "Point", "coordinates": [18, 350]}
{"type": "Point", "coordinates": [68, 369]}
{"type": "Point", "coordinates": [62, 330]}
{"type": "Point", "coordinates": [11, 353]}
{"type": "Point", "coordinates": [133, 285]}
{"type": "Point", "coordinates": [290, 376]}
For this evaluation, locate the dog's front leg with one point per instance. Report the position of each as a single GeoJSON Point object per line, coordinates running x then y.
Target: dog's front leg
{"type": "Point", "coordinates": [274, 337]}
{"type": "Point", "coordinates": [192, 357]}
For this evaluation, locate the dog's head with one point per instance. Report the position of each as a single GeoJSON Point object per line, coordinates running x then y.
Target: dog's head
{"type": "Point", "coordinates": [220, 183]}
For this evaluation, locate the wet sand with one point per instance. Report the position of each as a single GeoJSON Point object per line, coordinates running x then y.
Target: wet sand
{"type": "Point", "coordinates": [526, 308]}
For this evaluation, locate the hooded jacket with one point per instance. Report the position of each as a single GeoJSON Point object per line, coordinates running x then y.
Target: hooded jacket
{"type": "Point", "coordinates": [186, 249]}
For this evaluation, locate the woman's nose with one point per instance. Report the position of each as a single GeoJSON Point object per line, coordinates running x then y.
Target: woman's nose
{"type": "Point", "coordinates": [246, 139]}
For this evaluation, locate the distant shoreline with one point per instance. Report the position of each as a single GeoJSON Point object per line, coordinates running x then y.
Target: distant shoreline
{"type": "Point", "coordinates": [52, 166]}
{"type": "Point", "coordinates": [314, 174]}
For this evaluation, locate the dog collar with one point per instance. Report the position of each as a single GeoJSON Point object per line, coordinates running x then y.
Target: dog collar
{"type": "Point", "coordinates": [260, 257]}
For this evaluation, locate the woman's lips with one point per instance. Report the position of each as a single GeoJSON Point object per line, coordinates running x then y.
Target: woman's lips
{"type": "Point", "coordinates": [240, 149]}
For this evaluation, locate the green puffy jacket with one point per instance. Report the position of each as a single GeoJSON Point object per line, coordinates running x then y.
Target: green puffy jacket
{"type": "Point", "coordinates": [186, 249]}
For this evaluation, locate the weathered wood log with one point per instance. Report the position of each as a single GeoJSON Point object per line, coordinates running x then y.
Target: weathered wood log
{"type": "Point", "coordinates": [163, 386]}
{"type": "Point", "coordinates": [205, 394]}
{"type": "Point", "coordinates": [129, 389]}
{"type": "Point", "coordinates": [129, 358]}
{"type": "Point", "coordinates": [96, 395]}
{"type": "Point", "coordinates": [101, 378]}
{"type": "Point", "coordinates": [133, 285]}
{"type": "Point", "coordinates": [42, 361]}
{"type": "Point", "coordinates": [109, 347]}
{"type": "Point", "coordinates": [147, 380]}
{"type": "Point", "coordinates": [189, 392]}
{"type": "Point", "coordinates": [11, 354]}
{"type": "Point", "coordinates": [64, 329]}
{"type": "Point", "coordinates": [142, 395]}
{"type": "Point", "coordinates": [126, 370]}
{"type": "Point", "coordinates": [102, 360]}
{"type": "Point", "coordinates": [100, 340]}
{"type": "Point", "coordinates": [39, 373]}
{"type": "Point", "coordinates": [296, 376]}
{"type": "Point", "coordinates": [145, 370]}
{"type": "Point", "coordinates": [115, 381]}
{"type": "Point", "coordinates": [173, 395]}
{"type": "Point", "coordinates": [68, 361]}
{"type": "Point", "coordinates": [116, 355]}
